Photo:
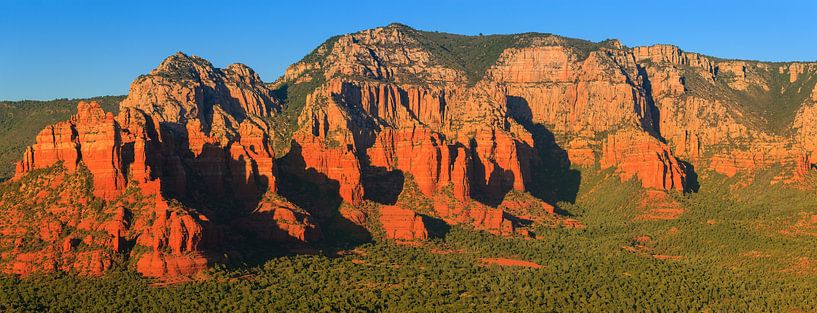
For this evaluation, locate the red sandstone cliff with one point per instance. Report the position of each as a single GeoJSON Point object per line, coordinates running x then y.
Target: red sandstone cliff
{"type": "Point", "coordinates": [188, 152]}
{"type": "Point", "coordinates": [188, 163]}
{"type": "Point", "coordinates": [402, 224]}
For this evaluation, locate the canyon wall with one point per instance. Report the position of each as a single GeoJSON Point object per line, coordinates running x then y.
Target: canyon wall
{"type": "Point", "coordinates": [396, 124]}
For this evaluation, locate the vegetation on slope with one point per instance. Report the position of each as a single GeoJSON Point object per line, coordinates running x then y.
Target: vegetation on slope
{"type": "Point", "coordinates": [20, 121]}
{"type": "Point", "coordinates": [471, 54]}
{"type": "Point", "coordinates": [728, 255]}
{"type": "Point", "coordinates": [475, 54]}
{"type": "Point", "coordinates": [770, 101]}
{"type": "Point", "coordinates": [778, 105]}
{"type": "Point", "coordinates": [293, 95]}
{"type": "Point", "coordinates": [730, 251]}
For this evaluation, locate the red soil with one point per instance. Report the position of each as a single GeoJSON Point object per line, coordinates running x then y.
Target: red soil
{"type": "Point", "coordinates": [508, 262]}
{"type": "Point", "coordinates": [667, 257]}
{"type": "Point", "coordinates": [442, 251]}
{"type": "Point", "coordinates": [659, 206]}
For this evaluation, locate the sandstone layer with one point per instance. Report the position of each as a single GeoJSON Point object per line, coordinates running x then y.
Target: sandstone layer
{"type": "Point", "coordinates": [397, 124]}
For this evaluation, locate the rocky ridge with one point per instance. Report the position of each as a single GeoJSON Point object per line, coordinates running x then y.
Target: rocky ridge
{"type": "Point", "coordinates": [396, 124]}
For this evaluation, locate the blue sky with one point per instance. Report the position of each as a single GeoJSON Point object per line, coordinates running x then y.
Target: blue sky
{"type": "Point", "coordinates": [70, 49]}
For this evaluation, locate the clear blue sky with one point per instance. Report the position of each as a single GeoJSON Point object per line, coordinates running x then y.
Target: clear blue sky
{"type": "Point", "coordinates": [56, 49]}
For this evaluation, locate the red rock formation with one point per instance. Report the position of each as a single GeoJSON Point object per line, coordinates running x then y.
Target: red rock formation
{"type": "Point", "coordinates": [443, 135]}
{"type": "Point", "coordinates": [163, 265]}
{"type": "Point", "coordinates": [92, 263]}
{"type": "Point", "coordinates": [100, 148]}
{"type": "Point", "coordinates": [703, 122]}
{"type": "Point", "coordinates": [172, 228]}
{"type": "Point", "coordinates": [186, 129]}
{"type": "Point", "coordinates": [760, 156]}
{"type": "Point", "coordinates": [175, 238]}
{"type": "Point", "coordinates": [335, 163]}
{"type": "Point", "coordinates": [280, 221]}
{"type": "Point", "coordinates": [500, 160]}
{"type": "Point", "coordinates": [402, 224]}
{"type": "Point", "coordinates": [425, 155]}
{"type": "Point", "coordinates": [117, 227]}
{"type": "Point", "coordinates": [386, 53]}
{"type": "Point", "coordinates": [636, 154]}
{"type": "Point", "coordinates": [580, 96]}
{"type": "Point", "coordinates": [580, 153]}
{"type": "Point", "coordinates": [673, 55]}
{"type": "Point", "coordinates": [34, 229]}
{"type": "Point", "coordinates": [460, 174]}
{"type": "Point", "coordinates": [92, 137]}
{"type": "Point", "coordinates": [804, 166]}
{"type": "Point", "coordinates": [53, 144]}
{"type": "Point", "coordinates": [494, 221]}
{"type": "Point", "coordinates": [187, 87]}
{"type": "Point", "coordinates": [398, 106]}
{"type": "Point", "coordinates": [201, 138]}
{"type": "Point", "coordinates": [254, 143]}
{"type": "Point", "coordinates": [31, 262]}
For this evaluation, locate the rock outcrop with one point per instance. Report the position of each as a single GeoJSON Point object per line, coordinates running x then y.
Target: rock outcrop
{"type": "Point", "coordinates": [426, 157]}
{"type": "Point", "coordinates": [714, 113]}
{"type": "Point", "coordinates": [175, 238]}
{"type": "Point", "coordinates": [280, 221]}
{"type": "Point", "coordinates": [189, 151]}
{"type": "Point", "coordinates": [402, 224]}
{"type": "Point", "coordinates": [381, 123]}
{"type": "Point", "coordinates": [187, 87]}
{"type": "Point", "coordinates": [636, 154]}
{"type": "Point", "coordinates": [92, 136]}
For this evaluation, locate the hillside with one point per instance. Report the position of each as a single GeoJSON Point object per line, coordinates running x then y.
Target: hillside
{"type": "Point", "coordinates": [519, 165]}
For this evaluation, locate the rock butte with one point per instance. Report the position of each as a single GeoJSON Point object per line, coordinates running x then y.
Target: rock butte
{"type": "Point", "coordinates": [189, 162]}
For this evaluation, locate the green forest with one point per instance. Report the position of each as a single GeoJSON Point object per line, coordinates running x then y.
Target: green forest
{"type": "Point", "coordinates": [730, 253]}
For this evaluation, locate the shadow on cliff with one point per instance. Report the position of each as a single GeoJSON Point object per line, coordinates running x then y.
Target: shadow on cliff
{"type": "Point", "coordinates": [654, 123]}
{"type": "Point", "coordinates": [213, 183]}
{"type": "Point", "coordinates": [552, 178]}
{"type": "Point", "coordinates": [437, 228]}
{"type": "Point", "coordinates": [499, 183]}
{"type": "Point", "coordinates": [319, 195]}
{"type": "Point", "coordinates": [385, 186]}
{"type": "Point", "coordinates": [692, 184]}
{"type": "Point", "coordinates": [654, 126]}
{"type": "Point", "coordinates": [380, 184]}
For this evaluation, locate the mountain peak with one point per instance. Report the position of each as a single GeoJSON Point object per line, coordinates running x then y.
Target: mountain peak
{"type": "Point", "coordinates": [399, 26]}
{"type": "Point", "coordinates": [183, 66]}
{"type": "Point", "coordinates": [183, 57]}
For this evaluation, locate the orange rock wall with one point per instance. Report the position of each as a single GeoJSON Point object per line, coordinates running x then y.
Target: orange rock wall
{"type": "Point", "coordinates": [636, 154]}
{"type": "Point", "coordinates": [402, 224]}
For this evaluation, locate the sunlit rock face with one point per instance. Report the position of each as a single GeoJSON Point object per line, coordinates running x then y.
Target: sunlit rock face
{"type": "Point", "coordinates": [385, 133]}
